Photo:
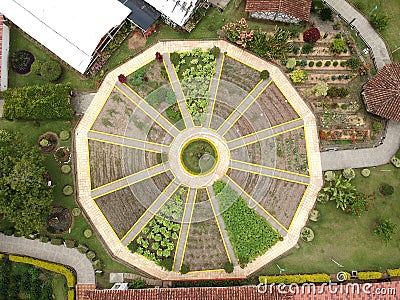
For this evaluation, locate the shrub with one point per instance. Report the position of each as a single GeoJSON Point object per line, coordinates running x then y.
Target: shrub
{"type": "Point", "coordinates": [298, 76]}
{"type": "Point", "coordinates": [395, 161]}
{"type": "Point", "coordinates": [288, 279]}
{"type": "Point", "coordinates": [56, 241]}
{"type": "Point", "coordinates": [369, 275]}
{"type": "Point", "coordinates": [349, 173]}
{"type": "Point", "coordinates": [68, 190]}
{"type": "Point", "coordinates": [337, 46]}
{"type": "Point", "coordinates": [167, 263]}
{"type": "Point", "coordinates": [325, 14]}
{"type": "Point", "coordinates": [327, 63]}
{"type": "Point", "coordinates": [90, 255]}
{"type": "Point", "coordinates": [184, 269]}
{"type": "Point", "coordinates": [137, 284]}
{"type": "Point", "coordinates": [338, 92]}
{"type": "Point", "coordinates": [296, 49]}
{"type": "Point", "coordinates": [45, 102]}
{"type": "Point", "coordinates": [365, 172]}
{"type": "Point", "coordinates": [314, 215]}
{"type": "Point", "coordinates": [51, 70]}
{"type": "Point", "coordinates": [393, 272]}
{"type": "Point", "coordinates": [353, 63]}
{"type": "Point", "coordinates": [303, 63]}
{"type": "Point", "coordinates": [307, 234]}
{"type": "Point", "coordinates": [322, 197]}
{"type": "Point", "coordinates": [65, 169]}
{"type": "Point", "coordinates": [82, 248]}
{"type": "Point", "coordinates": [21, 61]}
{"type": "Point", "coordinates": [386, 189]}
{"type": "Point", "coordinates": [319, 64]}
{"type": "Point", "coordinates": [343, 63]}
{"type": "Point", "coordinates": [175, 58]}
{"type": "Point", "coordinates": [44, 239]}
{"type": "Point", "coordinates": [291, 63]}
{"type": "Point", "coordinates": [335, 63]}
{"type": "Point", "coordinates": [320, 89]}
{"type": "Point", "coordinates": [88, 233]}
{"type": "Point", "coordinates": [379, 21]}
{"type": "Point", "coordinates": [76, 211]}
{"type": "Point", "coordinates": [215, 51]}
{"type": "Point", "coordinates": [264, 74]}
{"type": "Point", "coordinates": [311, 35]}
{"type": "Point", "coordinates": [385, 229]}
{"type": "Point", "coordinates": [64, 135]}
{"type": "Point", "coordinates": [311, 64]}
{"type": "Point", "coordinates": [307, 48]}
{"type": "Point", "coordinates": [330, 176]}
{"type": "Point", "coordinates": [36, 66]}
{"type": "Point", "coordinates": [376, 126]}
{"type": "Point", "coordinates": [70, 243]}
{"type": "Point", "coordinates": [228, 267]}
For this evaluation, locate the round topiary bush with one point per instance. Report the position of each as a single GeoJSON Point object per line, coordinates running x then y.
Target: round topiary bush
{"type": "Point", "coordinates": [330, 176]}
{"type": "Point", "coordinates": [395, 161]}
{"type": "Point", "coordinates": [90, 255]}
{"type": "Point", "coordinates": [51, 70]}
{"type": "Point", "coordinates": [307, 234]}
{"type": "Point", "coordinates": [386, 189]}
{"type": "Point", "coordinates": [349, 173]}
{"type": "Point", "coordinates": [264, 74]}
{"type": "Point", "coordinates": [365, 172]}
{"type": "Point", "coordinates": [88, 233]}
{"type": "Point", "coordinates": [64, 135]}
{"type": "Point", "coordinates": [21, 61]}
{"type": "Point", "coordinates": [76, 211]}
{"type": "Point", "coordinates": [65, 169]}
{"type": "Point", "coordinates": [314, 215]}
{"type": "Point", "coordinates": [322, 197]}
{"type": "Point", "coordinates": [68, 190]}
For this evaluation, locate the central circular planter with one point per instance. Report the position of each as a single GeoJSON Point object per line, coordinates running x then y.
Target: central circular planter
{"type": "Point", "coordinates": [199, 156]}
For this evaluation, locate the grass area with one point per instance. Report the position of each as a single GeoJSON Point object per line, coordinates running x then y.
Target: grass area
{"type": "Point", "coordinates": [199, 156]}
{"type": "Point", "coordinates": [392, 9]}
{"type": "Point", "coordinates": [20, 41]}
{"type": "Point", "coordinates": [347, 239]}
{"type": "Point", "coordinates": [31, 134]}
{"type": "Point", "coordinates": [59, 285]}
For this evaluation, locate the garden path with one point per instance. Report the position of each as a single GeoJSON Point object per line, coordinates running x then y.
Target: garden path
{"type": "Point", "coordinates": [45, 251]}
{"type": "Point", "coordinates": [377, 45]}
{"type": "Point", "coordinates": [180, 97]}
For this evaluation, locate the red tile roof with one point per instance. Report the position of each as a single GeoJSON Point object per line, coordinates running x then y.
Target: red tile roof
{"type": "Point", "coordinates": [296, 8]}
{"type": "Point", "coordinates": [81, 290]}
{"type": "Point", "coordinates": [221, 293]}
{"type": "Point", "coordinates": [382, 93]}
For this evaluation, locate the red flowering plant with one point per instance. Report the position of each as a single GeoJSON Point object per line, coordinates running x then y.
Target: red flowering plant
{"type": "Point", "coordinates": [159, 56]}
{"type": "Point", "coordinates": [122, 78]}
{"type": "Point", "coordinates": [360, 204]}
{"type": "Point", "coordinates": [238, 32]}
{"type": "Point", "coordinates": [311, 35]}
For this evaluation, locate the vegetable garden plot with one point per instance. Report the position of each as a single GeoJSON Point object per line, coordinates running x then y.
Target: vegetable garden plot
{"type": "Point", "coordinates": [148, 78]}
{"type": "Point", "coordinates": [282, 199]}
{"type": "Point", "coordinates": [247, 181]}
{"type": "Point", "coordinates": [201, 195]}
{"type": "Point", "coordinates": [228, 97]}
{"type": "Point", "coordinates": [146, 191]}
{"type": "Point", "coordinates": [204, 249]}
{"type": "Point", "coordinates": [250, 153]}
{"type": "Point", "coordinates": [242, 127]}
{"type": "Point", "coordinates": [239, 74]}
{"type": "Point", "coordinates": [262, 153]}
{"type": "Point", "coordinates": [174, 207]}
{"type": "Point", "coordinates": [136, 160]}
{"type": "Point", "coordinates": [121, 209]}
{"type": "Point", "coordinates": [110, 162]}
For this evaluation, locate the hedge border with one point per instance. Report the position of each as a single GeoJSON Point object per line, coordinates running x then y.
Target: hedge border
{"type": "Point", "coordinates": [300, 278]}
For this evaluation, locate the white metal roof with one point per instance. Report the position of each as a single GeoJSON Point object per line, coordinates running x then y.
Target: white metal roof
{"type": "Point", "coordinates": [178, 11]}
{"type": "Point", "coordinates": [70, 29]}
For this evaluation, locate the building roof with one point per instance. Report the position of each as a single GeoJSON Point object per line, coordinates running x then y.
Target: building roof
{"type": "Point", "coordinates": [142, 14]}
{"type": "Point", "coordinates": [70, 29]}
{"type": "Point", "coordinates": [382, 93]}
{"type": "Point", "coordinates": [220, 293]}
{"type": "Point", "coordinates": [299, 9]}
{"type": "Point", "coordinates": [178, 11]}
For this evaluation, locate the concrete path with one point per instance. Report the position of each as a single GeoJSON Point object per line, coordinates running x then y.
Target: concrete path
{"type": "Point", "coordinates": [349, 14]}
{"type": "Point", "coordinates": [264, 134]}
{"type": "Point", "coordinates": [125, 141]}
{"type": "Point", "coordinates": [241, 109]}
{"type": "Point", "coordinates": [180, 97]}
{"type": "Point", "coordinates": [269, 172]}
{"type": "Point", "coordinates": [46, 251]}
{"type": "Point", "coordinates": [362, 158]}
{"type": "Point", "coordinates": [129, 180]}
{"type": "Point", "coordinates": [220, 220]}
{"type": "Point", "coordinates": [183, 236]}
{"type": "Point", "coordinates": [150, 212]}
{"type": "Point", "coordinates": [213, 89]}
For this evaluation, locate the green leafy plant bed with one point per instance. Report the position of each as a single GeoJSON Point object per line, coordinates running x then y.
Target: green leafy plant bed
{"type": "Point", "coordinates": [199, 156]}
{"type": "Point", "coordinates": [21, 61]}
{"type": "Point", "coordinates": [250, 234]}
{"type": "Point", "coordinates": [62, 155]}
{"type": "Point", "coordinates": [59, 221]}
{"type": "Point", "coordinates": [195, 70]}
{"type": "Point", "coordinates": [47, 142]}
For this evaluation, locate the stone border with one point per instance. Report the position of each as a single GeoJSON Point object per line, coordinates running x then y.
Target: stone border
{"type": "Point", "coordinates": [98, 220]}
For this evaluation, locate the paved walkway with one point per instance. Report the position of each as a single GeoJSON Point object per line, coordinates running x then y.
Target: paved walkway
{"type": "Point", "coordinates": [46, 251]}
{"type": "Point", "coordinates": [349, 14]}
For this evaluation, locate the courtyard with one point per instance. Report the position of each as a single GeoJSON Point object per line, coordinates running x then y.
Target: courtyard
{"type": "Point", "coordinates": [181, 139]}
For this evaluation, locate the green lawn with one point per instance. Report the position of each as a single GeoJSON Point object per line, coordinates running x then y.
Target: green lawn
{"type": "Point", "coordinates": [31, 133]}
{"type": "Point", "coordinates": [60, 289]}
{"type": "Point", "coordinates": [392, 9]}
{"type": "Point", "coordinates": [347, 239]}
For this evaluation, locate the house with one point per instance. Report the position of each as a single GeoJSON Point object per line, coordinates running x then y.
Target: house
{"type": "Point", "coordinates": [143, 15]}
{"type": "Point", "coordinates": [72, 29]}
{"type": "Point", "coordinates": [4, 50]}
{"type": "Point", "coordinates": [289, 11]}
{"type": "Point", "coordinates": [381, 94]}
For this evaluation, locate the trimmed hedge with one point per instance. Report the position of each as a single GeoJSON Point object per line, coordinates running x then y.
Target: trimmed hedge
{"type": "Point", "coordinates": [369, 275]}
{"type": "Point", "coordinates": [56, 268]}
{"type": "Point", "coordinates": [301, 278]}
{"type": "Point", "coordinates": [1, 256]}
{"type": "Point", "coordinates": [45, 102]}
{"type": "Point", "coordinates": [393, 272]}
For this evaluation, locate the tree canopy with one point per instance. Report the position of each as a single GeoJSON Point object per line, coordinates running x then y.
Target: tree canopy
{"type": "Point", "coordinates": [25, 197]}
